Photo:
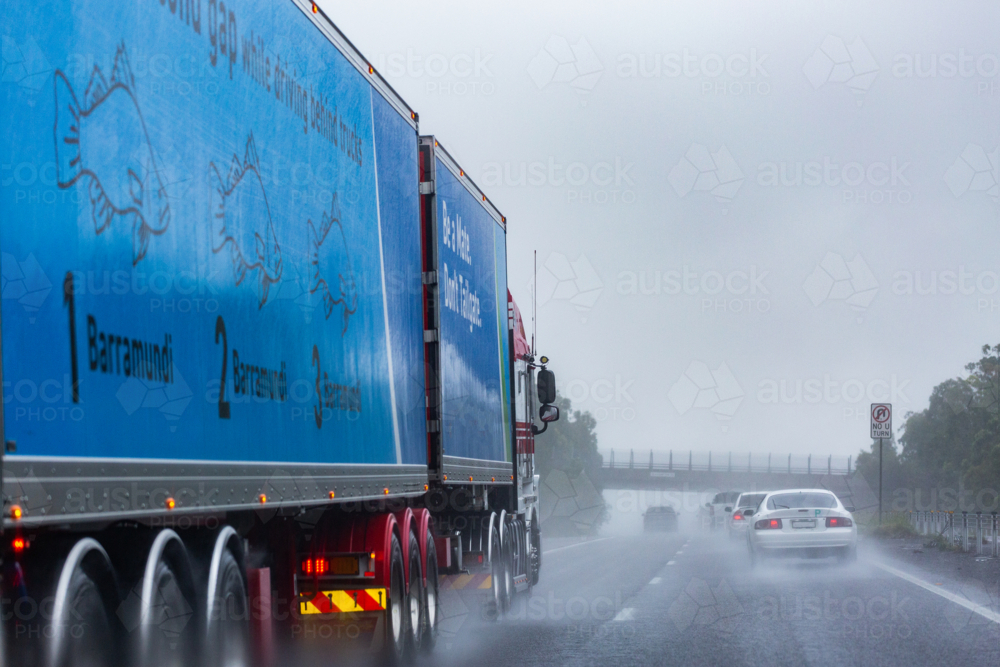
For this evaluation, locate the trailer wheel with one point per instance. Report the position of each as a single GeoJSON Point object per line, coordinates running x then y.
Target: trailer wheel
{"type": "Point", "coordinates": [396, 616]}
{"type": "Point", "coordinates": [166, 610]}
{"type": "Point", "coordinates": [88, 635]}
{"type": "Point", "coordinates": [227, 637]}
{"type": "Point", "coordinates": [429, 629]}
{"type": "Point", "coordinates": [414, 597]}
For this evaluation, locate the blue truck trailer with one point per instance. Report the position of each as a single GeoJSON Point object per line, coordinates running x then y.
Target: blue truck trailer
{"type": "Point", "coordinates": [262, 373]}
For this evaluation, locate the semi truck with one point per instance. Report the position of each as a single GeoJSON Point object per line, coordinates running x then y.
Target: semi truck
{"type": "Point", "coordinates": [265, 386]}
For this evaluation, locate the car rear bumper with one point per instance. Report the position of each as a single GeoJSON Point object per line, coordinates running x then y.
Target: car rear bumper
{"type": "Point", "coordinates": [832, 538]}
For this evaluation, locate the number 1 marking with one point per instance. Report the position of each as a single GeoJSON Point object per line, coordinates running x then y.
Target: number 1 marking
{"type": "Point", "coordinates": [69, 299]}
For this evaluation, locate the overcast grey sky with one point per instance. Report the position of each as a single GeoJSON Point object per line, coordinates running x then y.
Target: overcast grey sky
{"type": "Point", "coordinates": [752, 219]}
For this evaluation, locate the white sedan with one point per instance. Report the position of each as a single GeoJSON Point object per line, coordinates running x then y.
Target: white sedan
{"type": "Point", "coordinates": [805, 523]}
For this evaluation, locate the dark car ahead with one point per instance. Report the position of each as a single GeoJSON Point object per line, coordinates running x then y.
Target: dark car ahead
{"type": "Point", "coordinates": [662, 518]}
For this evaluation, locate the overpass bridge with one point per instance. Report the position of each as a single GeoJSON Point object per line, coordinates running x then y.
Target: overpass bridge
{"type": "Point", "coordinates": [692, 470]}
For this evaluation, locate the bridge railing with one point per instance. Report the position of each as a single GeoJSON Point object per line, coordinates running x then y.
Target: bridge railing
{"type": "Point", "coordinates": [708, 461]}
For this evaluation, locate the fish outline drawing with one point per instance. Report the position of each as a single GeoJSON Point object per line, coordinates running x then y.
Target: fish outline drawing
{"type": "Point", "coordinates": [104, 141]}
{"type": "Point", "coordinates": [325, 262]}
{"type": "Point", "coordinates": [241, 218]}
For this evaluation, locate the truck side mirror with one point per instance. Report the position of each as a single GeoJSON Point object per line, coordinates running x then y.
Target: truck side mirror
{"type": "Point", "coordinates": [546, 387]}
{"type": "Point", "coordinates": [548, 413]}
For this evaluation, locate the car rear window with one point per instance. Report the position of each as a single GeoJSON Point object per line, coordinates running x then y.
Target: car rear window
{"type": "Point", "coordinates": [751, 500]}
{"type": "Point", "coordinates": [804, 500]}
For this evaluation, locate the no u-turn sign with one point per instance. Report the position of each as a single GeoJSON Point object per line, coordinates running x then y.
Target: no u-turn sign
{"type": "Point", "coordinates": [881, 420]}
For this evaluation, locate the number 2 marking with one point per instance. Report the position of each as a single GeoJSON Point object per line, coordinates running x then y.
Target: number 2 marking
{"type": "Point", "coordinates": [220, 329]}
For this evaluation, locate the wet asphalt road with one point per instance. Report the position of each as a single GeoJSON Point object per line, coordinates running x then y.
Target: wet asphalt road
{"type": "Point", "coordinates": [692, 599]}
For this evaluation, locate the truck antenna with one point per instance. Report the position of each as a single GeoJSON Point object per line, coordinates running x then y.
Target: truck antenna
{"type": "Point", "coordinates": [534, 305]}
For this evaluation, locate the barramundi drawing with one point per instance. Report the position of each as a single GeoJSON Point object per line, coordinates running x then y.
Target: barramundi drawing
{"type": "Point", "coordinates": [102, 141]}
{"type": "Point", "coordinates": [331, 274]}
{"type": "Point", "coordinates": [241, 219]}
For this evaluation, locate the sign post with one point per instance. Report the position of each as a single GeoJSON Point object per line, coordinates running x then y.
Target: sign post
{"type": "Point", "coordinates": [881, 428]}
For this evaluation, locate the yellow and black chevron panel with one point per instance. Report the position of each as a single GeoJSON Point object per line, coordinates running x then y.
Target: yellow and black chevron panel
{"type": "Point", "coordinates": [458, 582]}
{"type": "Point", "coordinates": [335, 602]}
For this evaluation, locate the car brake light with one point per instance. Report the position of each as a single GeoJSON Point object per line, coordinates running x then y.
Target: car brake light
{"type": "Point", "coordinates": [768, 524]}
{"type": "Point", "coordinates": [838, 522]}
{"type": "Point", "coordinates": [737, 517]}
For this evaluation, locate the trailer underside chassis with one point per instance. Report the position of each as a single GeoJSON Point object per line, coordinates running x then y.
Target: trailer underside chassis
{"type": "Point", "coordinates": [136, 596]}
{"type": "Point", "coordinates": [369, 582]}
{"type": "Point", "coordinates": [487, 561]}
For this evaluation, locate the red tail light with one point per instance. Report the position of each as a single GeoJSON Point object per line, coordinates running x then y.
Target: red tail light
{"type": "Point", "coordinates": [768, 524]}
{"type": "Point", "coordinates": [317, 566]}
{"type": "Point", "coordinates": [838, 522]}
{"type": "Point", "coordinates": [737, 517]}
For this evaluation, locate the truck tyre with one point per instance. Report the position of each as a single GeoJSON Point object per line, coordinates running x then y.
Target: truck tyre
{"type": "Point", "coordinates": [166, 619]}
{"type": "Point", "coordinates": [84, 592]}
{"type": "Point", "coordinates": [429, 629]}
{"type": "Point", "coordinates": [535, 551]}
{"type": "Point", "coordinates": [493, 606]}
{"type": "Point", "coordinates": [396, 613]}
{"type": "Point", "coordinates": [507, 556]}
{"type": "Point", "coordinates": [227, 638]}
{"type": "Point", "coordinates": [414, 597]}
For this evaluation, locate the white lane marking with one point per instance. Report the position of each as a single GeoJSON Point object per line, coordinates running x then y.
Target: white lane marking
{"type": "Point", "coordinates": [655, 580]}
{"type": "Point", "coordinates": [679, 552]}
{"type": "Point", "coordinates": [671, 562]}
{"type": "Point", "coordinates": [626, 614]}
{"type": "Point", "coordinates": [985, 612]}
{"type": "Point", "coordinates": [576, 544]}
